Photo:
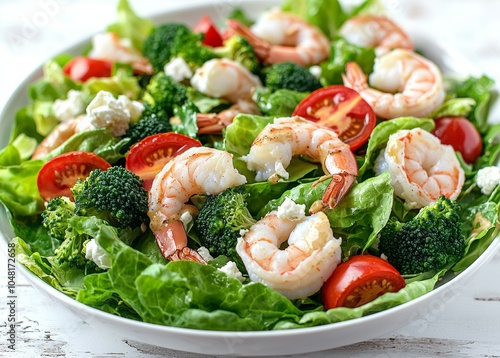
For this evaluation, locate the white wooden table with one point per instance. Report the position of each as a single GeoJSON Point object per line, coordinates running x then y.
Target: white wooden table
{"type": "Point", "coordinates": [466, 326]}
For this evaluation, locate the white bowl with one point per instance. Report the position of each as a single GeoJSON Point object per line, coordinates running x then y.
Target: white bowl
{"type": "Point", "coordinates": [266, 343]}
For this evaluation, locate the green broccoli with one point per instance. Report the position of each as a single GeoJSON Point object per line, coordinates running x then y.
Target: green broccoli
{"type": "Point", "coordinates": [237, 48]}
{"type": "Point", "coordinates": [162, 94]}
{"type": "Point", "coordinates": [291, 76]}
{"type": "Point", "coordinates": [430, 241]}
{"type": "Point", "coordinates": [56, 215]}
{"type": "Point", "coordinates": [146, 126]}
{"type": "Point", "coordinates": [57, 219]}
{"type": "Point", "coordinates": [220, 220]}
{"type": "Point", "coordinates": [175, 40]}
{"type": "Point", "coordinates": [115, 195]}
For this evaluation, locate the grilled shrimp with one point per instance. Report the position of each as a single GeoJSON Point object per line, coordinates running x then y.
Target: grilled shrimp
{"type": "Point", "coordinates": [279, 37]}
{"type": "Point", "coordinates": [198, 170]}
{"type": "Point", "coordinates": [303, 266]}
{"type": "Point", "coordinates": [368, 30]}
{"type": "Point", "coordinates": [227, 79]}
{"type": "Point", "coordinates": [417, 81]}
{"type": "Point", "coordinates": [273, 149]}
{"type": "Point", "coordinates": [421, 168]}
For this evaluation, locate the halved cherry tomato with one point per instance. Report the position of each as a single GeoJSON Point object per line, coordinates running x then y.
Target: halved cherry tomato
{"type": "Point", "coordinates": [83, 68]}
{"type": "Point", "coordinates": [212, 36]}
{"type": "Point", "coordinates": [59, 174]}
{"type": "Point", "coordinates": [461, 134]}
{"type": "Point", "coordinates": [147, 158]}
{"type": "Point", "coordinates": [360, 280]}
{"type": "Point", "coordinates": [341, 109]}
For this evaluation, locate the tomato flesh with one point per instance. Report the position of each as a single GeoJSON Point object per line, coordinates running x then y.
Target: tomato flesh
{"type": "Point", "coordinates": [212, 37]}
{"type": "Point", "coordinates": [360, 280]}
{"type": "Point", "coordinates": [148, 157]}
{"type": "Point", "coordinates": [59, 174]}
{"type": "Point", "coordinates": [83, 68]}
{"type": "Point", "coordinates": [461, 134]}
{"type": "Point", "coordinates": [343, 110]}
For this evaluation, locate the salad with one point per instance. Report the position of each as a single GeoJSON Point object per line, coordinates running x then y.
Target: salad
{"type": "Point", "coordinates": [228, 177]}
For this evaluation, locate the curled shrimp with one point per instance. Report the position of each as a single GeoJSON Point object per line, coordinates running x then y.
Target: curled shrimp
{"type": "Point", "coordinates": [417, 81]}
{"type": "Point", "coordinates": [109, 46]}
{"type": "Point", "coordinates": [62, 132]}
{"type": "Point", "coordinates": [368, 30]}
{"type": "Point", "coordinates": [229, 80]}
{"type": "Point", "coordinates": [278, 37]}
{"type": "Point", "coordinates": [303, 266]}
{"type": "Point", "coordinates": [273, 149]}
{"type": "Point", "coordinates": [421, 168]}
{"type": "Point", "coordinates": [199, 170]}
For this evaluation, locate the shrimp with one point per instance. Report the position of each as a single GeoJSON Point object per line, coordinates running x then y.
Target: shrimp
{"type": "Point", "coordinates": [198, 170]}
{"type": "Point", "coordinates": [418, 81]}
{"type": "Point", "coordinates": [109, 46]}
{"type": "Point", "coordinates": [279, 37]}
{"type": "Point", "coordinates": [62, 132]}
{"type": "Point", "coordinates": [299, 270]}
{"type": "Point", "coordinates": [273, 149]}
{"type": "Point", "coordinates": [229, 80]}
{"type": "Point", "coordinates": [421, 168]}
{"type": "Point", "coordinates": [368, 30]}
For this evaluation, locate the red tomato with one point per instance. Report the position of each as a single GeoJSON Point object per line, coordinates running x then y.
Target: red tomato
{"type": "Point", "coordinates": [461, 134]}
{"type": "Point", "coordinates": [58, 175]}
{"type": "Point", "coordinates": [147, 158]}
{"type": "Point", "coordinates": [83, 68]}
{"type": "Point", "coordinates": [360, 280]}
{"type": "Point", "coordinates": [343, 110]}
{"type": "Point", "coordinates": [212, 36]}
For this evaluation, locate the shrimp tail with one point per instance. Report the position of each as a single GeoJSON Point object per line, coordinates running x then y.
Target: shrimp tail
{"type": "Point", "coordinates": [354, 77]}
{"type": "Point", "coordinates": [172, 241]}
{"type": "Point", "coordinates": [337, 189]}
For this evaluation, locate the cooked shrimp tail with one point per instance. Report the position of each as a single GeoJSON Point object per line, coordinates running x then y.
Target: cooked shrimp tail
{"type": "Point", "coordinates": [172, 241]}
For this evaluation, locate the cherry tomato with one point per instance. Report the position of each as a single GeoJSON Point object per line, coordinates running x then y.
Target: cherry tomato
{"type": "Point", "coordinates": [461, 134]}
{"type": "Point", "coordinates": [147, 158]}
{"type": "Point", "coordinates": [343, 110]}
{"type": "Point", "coordinates": [360, 280]}
{"type": "Point", "coordinates": [83, 68]}
{"type": "Point", "coordinates": [212, 36]}
{"type": "Point", "coordinates": [59, 174]}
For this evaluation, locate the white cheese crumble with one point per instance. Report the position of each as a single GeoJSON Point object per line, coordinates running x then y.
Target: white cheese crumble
{"type": "Point", "coordinates": [315, 71]}
{"type": "Point", "coordinates": [95, 252]}
{"type": "Point", "coordinates": [487, 179]}
{"type": "Point", "coordinates": [106, 111]}
{"type": "Point", "coordinates": [69, 108]}
{"type": "Point", "coordinates": [205, 254]}
{"type": "Point", "coordinates": [232, 270]}
{"type": "Point", "coordinates": [291, 210]}
{"type": "Point", "coordinates": [178, 69]}
{"type": "Point", "coordinates": [186, 218]}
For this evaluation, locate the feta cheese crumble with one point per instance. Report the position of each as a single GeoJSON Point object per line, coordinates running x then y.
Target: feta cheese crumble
{"type": "Point", "coordinates": [106, 111]}
{"type": "Point", "coordinates": [487, 179]}
{"type": "Point", "coordinates": [95, 253]}
{"type": "Point", "coordinates": [69, 108]}
{"type": "Point", "coordinates": [178, 69]}
{"type": "Point", "coordinates": [205, 254]}
{"type": "Point", "coordinates": [291, 210]}
{"type": "Point", "coordinates": [232, 270]}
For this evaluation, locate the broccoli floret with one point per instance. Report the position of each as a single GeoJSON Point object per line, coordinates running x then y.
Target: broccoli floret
{"type": "Point", "coordinates": [162, 94]}
{"type": "Point", "coordinates": [237, 48]}
{"type": "Point", "coordinates": [175, 40]}
{"type": "Point", "coordinates": [220, 220]}
{"type": "Point", "coordinates": [146, 126]}
{"type": "Point", "coordinates": [57, 220]}
{"type": "Point", "coordinates": [431, 240]}
{"type": "Point", "coordinates": [115, 195]}
{"type": "Point", "coordinates": [291, 76]}
{"type": "Point", "coordinates": [56, 215]}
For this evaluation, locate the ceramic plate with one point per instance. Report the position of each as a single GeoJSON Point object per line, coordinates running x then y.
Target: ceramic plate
{"type": "Point", "coordinates": [252, 343]}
